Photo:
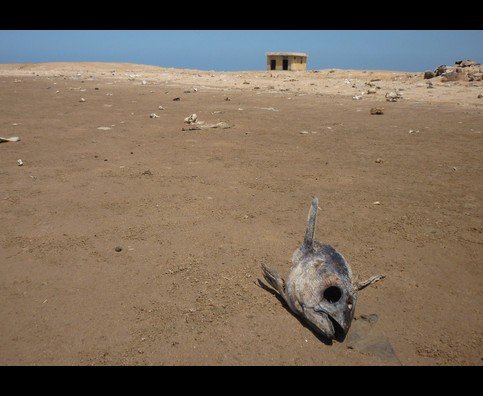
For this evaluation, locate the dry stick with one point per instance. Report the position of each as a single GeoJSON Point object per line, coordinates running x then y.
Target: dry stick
{"type": "Point", "coordinates": [370, 281]}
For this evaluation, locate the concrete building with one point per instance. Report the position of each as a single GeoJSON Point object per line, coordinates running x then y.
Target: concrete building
{"type": "Point", "coordinates": [294, 61]}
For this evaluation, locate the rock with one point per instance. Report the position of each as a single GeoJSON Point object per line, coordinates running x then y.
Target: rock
{"type": "Point", "coordinates": [430, 85]}
{"type": "Point", "coordinates": [371, 91]}
{"type": "Point", "coordinates": [19, 162]}
{"type": "Point", "coordinates": [147, 172]}
{"type": "Point", "coordinates": [377, 110]}
{"type": "Point", "coordinates": [191, 119]}
{"type": "Point", "coordinates": [118, 248]}
{"type": "Point", "coordinates": [144, 82]}
{"type": "Point", "coordinates": [82, 100]}
{"type": "Point", "coordinates": [376, 203]}
{"type": "Point", "coordinates": [467, 63]}
{"type": "Point", "coordinates": [440, 70]}
{"type": "Point", "coordinates": [153, 115]}
{"type": "Point", "coordinates": [160, 108]}
{"type": "Point", "coordinates": [357, 97]}
{"type": "Point", "coordinates": [378, 161]}
{"type": "Point", "coordinates": [227, 99]}
{"type": "Point", "coordinates": [303, 132]}
{"type": "Point", "coordinates": [480, 96]}
{"type": "Point", "coordinates": [453, 75]}
{"type": "Point", "coordinates": [392, 96]}
{"type": "Point", "coordinates": [176, 99]}
{"type": "Point", "coordinates": [428, 74]}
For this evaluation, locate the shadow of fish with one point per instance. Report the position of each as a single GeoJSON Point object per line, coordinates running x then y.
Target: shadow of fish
{"type": "Point", "coordinates": [319, 287]}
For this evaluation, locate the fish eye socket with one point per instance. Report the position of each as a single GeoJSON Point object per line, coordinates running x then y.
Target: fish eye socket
{"type": "Point", "coordinates": [332, 294]}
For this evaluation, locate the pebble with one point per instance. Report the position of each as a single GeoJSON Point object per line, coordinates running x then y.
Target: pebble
{"type": "Point", "coordinates": [153, 115]}
{"type": "Point", "coordinates": [118, 248]}
{"type": "Point", "coordinates": [378, 161]}
{"type": "Point", "coordinates": [19, 162]}
{"type": "Point", "coordinates": [82, 100]}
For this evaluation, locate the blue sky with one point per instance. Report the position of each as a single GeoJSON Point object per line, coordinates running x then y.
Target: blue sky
{"type": "Point", "coordinates": [404, 50]}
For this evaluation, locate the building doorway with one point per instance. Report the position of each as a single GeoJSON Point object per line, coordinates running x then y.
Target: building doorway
{"type": "Point", "coordinates": [285, 64]}
{"type": "Point", "coordinates": [273, 64]}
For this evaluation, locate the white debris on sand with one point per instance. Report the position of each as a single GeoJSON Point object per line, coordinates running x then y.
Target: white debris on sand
{"type": "Point", "coordinates": [19, 162]}
{"type": "Point", "coordinates": [102, 128]}
{"type": "Point", "coordinates": [191, 119]}
{"type": "Point", "coordinates": [153, 115]}
{"type": "Point", "coordinates": [10, 139]}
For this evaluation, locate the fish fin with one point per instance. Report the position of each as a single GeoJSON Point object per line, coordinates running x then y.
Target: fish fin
{"type": "Point", "coordinates": [312, 219]}
{"type": "Point", "coordinates": [274, 280]}
{"type": "Point", "coordinates": [370, 281]}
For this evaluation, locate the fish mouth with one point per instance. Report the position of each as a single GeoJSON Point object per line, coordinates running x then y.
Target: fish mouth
{"type": "Point", "coordinates": [324, 324]}
{"type": "Point", "coordinates": [337, 331]}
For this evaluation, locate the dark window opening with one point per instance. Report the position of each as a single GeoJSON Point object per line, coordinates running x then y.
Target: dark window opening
{"type": "Point", "coordinates": [285, 64]}
{"type": "Point", "coordinates": [273, 64]}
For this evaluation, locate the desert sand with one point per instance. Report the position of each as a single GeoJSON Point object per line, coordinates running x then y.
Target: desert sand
{"type": "Point", "coordinates": [196, 212]}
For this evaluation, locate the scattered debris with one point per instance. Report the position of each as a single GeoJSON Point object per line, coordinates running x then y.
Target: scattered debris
{"type": "Point", "coordinates": [191, 119]}
{"type": "Point", "coordinates": [153, 115]}
{"type": "Point", "coordinates": [19, 162]}
{"type": "Point", "coordinates": [393, 96]}
{"type": "Point", "coordinates": [227, 99]}
{"type": "Point", "coordinates": [303, 132]}
{"type": "Point", "coordinates": [357, 97]}
{"type": "Point", "coordinates": [195, 89]}
{"type": "Point", "coordinates": [376, 203]}
{"type": "Point", "coordinates": [147, 172]}
{"type": "Point", "coordinates": [246, 82]}
{"type": "Point", "coordinates": [371, 91]}
{"type": "Point", "coordinates": [221, 125]}
{"type": "Point", "coordinates": [268, 108]}
{"type": "Point", "coordinates": [10, 139]}
{"type": "Point", "coordinates": [160, 108]}
{"type": "Point", "coordinates": [377, 110]}
{"type": "Point", "coordinates": [411, 131]}
{"type": "Point", "coordinates": [118, 248]}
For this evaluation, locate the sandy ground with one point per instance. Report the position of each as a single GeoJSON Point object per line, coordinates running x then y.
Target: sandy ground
{"type": "Point", "coordinates": [197, 212]}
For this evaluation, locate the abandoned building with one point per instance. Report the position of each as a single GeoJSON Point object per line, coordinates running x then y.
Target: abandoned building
{"type": "Point", "coordinates": [294, 61]}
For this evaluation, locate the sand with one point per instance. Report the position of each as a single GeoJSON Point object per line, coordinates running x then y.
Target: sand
{"type": "Point", "coordinates": [197, 212]}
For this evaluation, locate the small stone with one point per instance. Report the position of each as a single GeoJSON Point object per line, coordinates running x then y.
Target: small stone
{"type": "Point", "coordinates": [480, 96]}
{"type": "Point", "coordinates": [147, 172]}
{"type": "Point", "coordinates": [428, 74]}
{"type": "Point", "coordinates": [376, 203]}
{"type": "Point", "coordinates": [378, 160]}
{"type": "Point", "coordinates": [118, 248]}
{"type": "Point", "coordinates": [19, 162]}
{"type": "Point", "coordinates": [153, 115]}
{"type": "Point", "coordinates": [227, 99]}
{"type": "Point", "coordinates": [144, 82]}
{"type": "Point", "coordinates": [303, 132]}
{"type": "Point", "coordinates": [176, 99]}
{"type": "Point", "coordinates": [82, 100]}
{"type": "Point", "coordinates": [160, 108]}
{"type": "Point", "coordinates": [377, 110]}
{"type": "Point", "coordinates": [191, 119]}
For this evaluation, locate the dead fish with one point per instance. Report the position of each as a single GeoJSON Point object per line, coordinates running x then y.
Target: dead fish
{"type": "Point", "coordinates": [319, 287]}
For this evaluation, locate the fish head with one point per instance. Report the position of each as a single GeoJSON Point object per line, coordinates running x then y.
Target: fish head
{"type": "Point", "coordinates": [324, 294]}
